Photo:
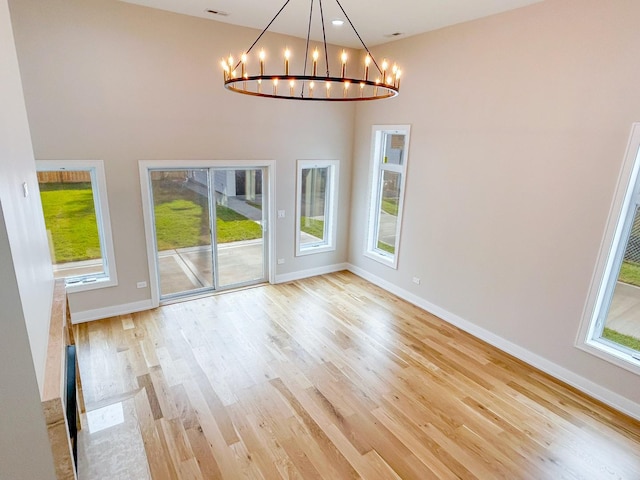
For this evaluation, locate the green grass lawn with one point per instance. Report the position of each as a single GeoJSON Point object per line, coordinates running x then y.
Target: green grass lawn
{"type": "Point", "coordinates": [312, 226]}
{"type": "Point", "coordinates": [181, 223]}
{"type": "Point", "coordinates": [621, 339]}
{"type": "Point", "coordinates": [174, 200]}
{"type": "Point", "coordinates": [630, 273]}
{"type": "Point", "coordinates": [386, 247]}
{"type": "Point", "coordinates": [70, 217]}
{"type": "Point", "coordinates": [390, 206]}
{"type": "Point", "coordinates": [233, 227]}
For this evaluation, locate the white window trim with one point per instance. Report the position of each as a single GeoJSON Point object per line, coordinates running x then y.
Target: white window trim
{"type": "Point", "coordinates": [603, 280]}
{"type": "Point", "coordinates": [377, 167]}
{"type": "Point", "coordinates": [331, 206]}
{"type": "Point", "coordinates": [110, 278]}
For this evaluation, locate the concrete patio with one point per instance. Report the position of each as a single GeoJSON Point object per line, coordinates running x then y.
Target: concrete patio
{"type": "Point", "coordinates": [186, 269]}
{"type": "Point", "coordinates": [624, 313]}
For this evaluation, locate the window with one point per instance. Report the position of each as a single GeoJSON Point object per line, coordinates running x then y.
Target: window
{"type": "Point", "coordinates": [613, 324]}
{"type": "Point", "coordinates": [389, 165]}
{"type": "Point", "coordinates": [316, 204]}
{"type": "Point", "coordinates": [76, 215]}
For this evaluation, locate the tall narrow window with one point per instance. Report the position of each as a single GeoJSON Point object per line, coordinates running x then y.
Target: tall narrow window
{"type": "Point", "coordinates": [614, 325]}
{"type": "Point", "coordinates": [389, 163]}
{"type": "Point", "coordinates": [316, 204]}
{"type": "Point", "coordinates": [76, 216]}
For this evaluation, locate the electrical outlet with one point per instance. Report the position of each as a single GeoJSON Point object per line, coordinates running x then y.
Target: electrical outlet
{"type": "Point", "coordinates": [416, 280]}
{"type": "Point", "coordinates": [280, 213]}
{"type": "Point", "coordinates": [141, 284]}
{"type": "Point", "coordinates": [280, 261]}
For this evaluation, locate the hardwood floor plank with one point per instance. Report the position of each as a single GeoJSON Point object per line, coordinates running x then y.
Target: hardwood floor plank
{"type": "Point", "coordinates": [156, 454]}
{"type": "Point", "coordinates": [203, 454]}
{"type": "Point", "coordinates": [369, 466]}
{"type": "Point", "coordinates": [333, 455]}
{"type": "Point", "coordinates": [219, 447]}
{"type": "Point", "coordinates": [216, 407]}
{"type": "Point", "coordinates": [168, 443]}
{"type": "Point", "coordinates": [303, 458]}
{"type": "Point", "coordinates": [268, 453]}
{"type": "Point", "coordinates": [163, 393]}
{"type": "Point", "coordinates": [169, 367]}
{"type": "Point", "coordinates": [440, 463]}
{"type": "Point", "coordinates": [183, 407]}
{"type": "Point", "coordinates": [145, 382]}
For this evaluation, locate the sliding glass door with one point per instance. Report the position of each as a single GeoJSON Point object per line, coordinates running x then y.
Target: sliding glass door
{"type": "Point", "coordinates": [192, 257]}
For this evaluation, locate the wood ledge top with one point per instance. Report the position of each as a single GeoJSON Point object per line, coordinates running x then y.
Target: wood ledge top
{"type": "Point", "coordinates": [54, 372]}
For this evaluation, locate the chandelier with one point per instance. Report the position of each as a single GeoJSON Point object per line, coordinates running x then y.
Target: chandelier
{"type": "Point", "coordinates": [382, 82]}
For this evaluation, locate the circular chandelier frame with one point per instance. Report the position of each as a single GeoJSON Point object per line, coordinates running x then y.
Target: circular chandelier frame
{"type": "Point", "coordinates": [312, 87]}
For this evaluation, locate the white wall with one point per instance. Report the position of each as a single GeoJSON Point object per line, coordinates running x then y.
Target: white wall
{"type": "Point", "coordinates": [23, 215]}
{"type": "Point", "coordinates": [25, 284]}
{"type": "Point", "coordinates": [118, 82]}
{"type": "Point", "coordinates": [519, 128]}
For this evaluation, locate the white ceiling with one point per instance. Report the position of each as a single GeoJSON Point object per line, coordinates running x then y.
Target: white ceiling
{"type": "Point", "coordinates": [375, 20]}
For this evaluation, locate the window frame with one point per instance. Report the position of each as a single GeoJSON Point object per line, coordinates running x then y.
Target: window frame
{"type": "Point", "coordinates": [378, 167]}
{"type": "Point", "coordinates": [108, 278]}
{"type": "Point", "coordinates": [627, 198]}
{"type": "Point", "coordinates": [330, 209]}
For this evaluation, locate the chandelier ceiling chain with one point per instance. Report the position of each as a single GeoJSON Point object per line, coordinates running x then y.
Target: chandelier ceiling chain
{"type": "Point", "coordinates": [387, 85]}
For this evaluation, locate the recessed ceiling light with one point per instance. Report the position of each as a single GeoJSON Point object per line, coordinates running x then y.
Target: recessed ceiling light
{"type": "Point", "coordinates": [218, 12]}
{"type": "Point", "coordinates": [337, 23]}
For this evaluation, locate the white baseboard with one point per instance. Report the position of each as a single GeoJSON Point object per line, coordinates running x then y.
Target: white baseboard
{"type": "Point", "coordinates": [583, 384]}
{"type": "Point", "coordinates": [99, 313]}
{"type": "Point", "coordinates": [312, 272]}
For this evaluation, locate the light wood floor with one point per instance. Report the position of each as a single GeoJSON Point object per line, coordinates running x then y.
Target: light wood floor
{"type": "Point", "coordinates": [330, 377]}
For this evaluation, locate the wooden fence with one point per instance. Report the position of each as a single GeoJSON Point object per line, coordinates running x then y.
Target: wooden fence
{"type": "Point", "coordinates": [67, 176]}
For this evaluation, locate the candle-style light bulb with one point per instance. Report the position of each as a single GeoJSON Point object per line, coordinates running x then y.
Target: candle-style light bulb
{"type": "Point", "coordinates": [361, 89]}
{"type": "Point", "coordinates": [287, 54]}
{"type": "Point", "coordinates": [275, 86]}
{"type": "Point", "coordinates": [398, 73]}
{"type": "Point", "coordinates": [343, 57]}
{"type": "Point", "coordinates": [291, 85]}
{"type": "Point", "coordinates": [259, 85]}
{"type": "Point", "coordinates": [389, 80]}
{"type": "Point", "coordinates": [311, 85]}
{"type": "Point", "coordinates": [233, 72]}
{"type": "Point", "coordinates": [375, 89]}
{"type": "Point", "coordinates": [346, 89]}
{"type": "Point", "coordinates": [367, 61]}
{"type": "Point", "coordinates": [328, 84]}
{"type": "Point", "coordinates": [225, 69]}
{"type": "Point", "coordinates": [243, 58]}
{"type": "Point", "coordinates": [385, 65]}
{"type": "Point", "coordinates": [316, 54]}
{"type": "Point", "coordinates": [262, 56]}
